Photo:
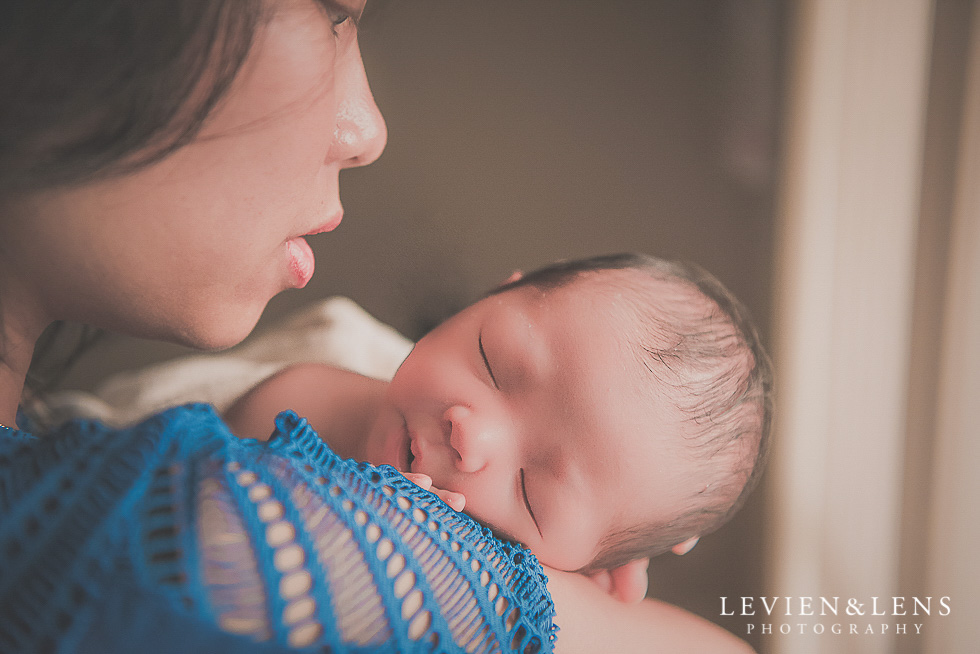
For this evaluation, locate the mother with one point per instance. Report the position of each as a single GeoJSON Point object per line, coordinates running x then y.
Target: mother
{"type": "Point", "coordinates": [160, 164]}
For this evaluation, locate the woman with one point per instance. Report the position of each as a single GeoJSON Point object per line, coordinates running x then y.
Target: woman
{"type": "Point", "coordinates": [160, 165]}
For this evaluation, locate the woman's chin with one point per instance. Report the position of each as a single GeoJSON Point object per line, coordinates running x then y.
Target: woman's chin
{"type": "Point", "coordinates": [229, 338]}
{"type": "Point", "coordinates": [218, 333]}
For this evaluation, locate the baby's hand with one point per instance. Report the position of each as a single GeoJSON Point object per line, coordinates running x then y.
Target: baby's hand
{"type": "Point", "coordinates": [456, 501]}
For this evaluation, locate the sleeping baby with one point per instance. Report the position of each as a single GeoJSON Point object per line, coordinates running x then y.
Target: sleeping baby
{"type": "Point", "coordinates": [599, 411]}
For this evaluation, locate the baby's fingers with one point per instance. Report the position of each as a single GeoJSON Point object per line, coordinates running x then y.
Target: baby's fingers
{"type": "Point", "coordinates": [421, 480]}
{"type": "Point", "coordinates": [456, 501]}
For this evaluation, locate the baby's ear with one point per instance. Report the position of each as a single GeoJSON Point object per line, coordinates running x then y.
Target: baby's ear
{"type": "Point", "coordinates": [685, 547]}
{"type": "Point", "coordinates": [627, 583]}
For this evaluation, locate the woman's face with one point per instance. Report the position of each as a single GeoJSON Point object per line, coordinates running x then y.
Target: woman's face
{"type": "Point", "coordinates": [192, 248]}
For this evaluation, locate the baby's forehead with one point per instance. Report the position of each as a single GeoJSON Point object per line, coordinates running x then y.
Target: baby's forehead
{"type": "Point", "coordinates": [640, 311]}
{"type": "Point", "coordinates": [639, 286]}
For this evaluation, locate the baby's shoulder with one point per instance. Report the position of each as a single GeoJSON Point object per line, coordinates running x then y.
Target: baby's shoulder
{"type": "Point", "coordinates": [313, 390]}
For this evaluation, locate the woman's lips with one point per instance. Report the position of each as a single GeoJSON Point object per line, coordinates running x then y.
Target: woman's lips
{"type": "Point", "coordinates": [328, 226]}
{"type": "Point", "coordinates": [302, 263]}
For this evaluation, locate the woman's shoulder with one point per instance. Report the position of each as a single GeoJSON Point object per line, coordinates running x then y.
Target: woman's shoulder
{"type": "Point", "coordinates": [179, 433]}
{"type": "Point", "coordinates": [58, 463]}
{"type": "Point", "coordinates": [592, 621]}
{"type": "Point", "coordinates": [67, 435]}
{"type": "Point", "coordinates": [65, 463]}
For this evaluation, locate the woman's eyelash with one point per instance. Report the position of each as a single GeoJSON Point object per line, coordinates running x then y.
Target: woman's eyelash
{"type": "Point", "coordinates": [486, 362]}
{"type": "Point", "coordinates": [337, 18]}
{"type": "Point", "coordinates": [336, 14]}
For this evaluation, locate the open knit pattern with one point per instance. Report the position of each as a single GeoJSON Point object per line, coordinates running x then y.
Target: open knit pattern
{"type": "Point", "coordinates": [175, 536]}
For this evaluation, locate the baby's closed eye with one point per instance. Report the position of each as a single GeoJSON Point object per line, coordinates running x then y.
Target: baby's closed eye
{"type": "Point", "coordinates": [527, 502]}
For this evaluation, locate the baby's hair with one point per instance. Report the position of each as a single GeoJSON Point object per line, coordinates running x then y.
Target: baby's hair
{"type": "Point", "coordinates": [713, 363]}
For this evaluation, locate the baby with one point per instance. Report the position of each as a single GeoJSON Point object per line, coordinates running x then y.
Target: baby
{"type": "Point", "coordinates": [599, 411]}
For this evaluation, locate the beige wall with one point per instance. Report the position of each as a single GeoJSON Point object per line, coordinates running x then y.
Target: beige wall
{"type": "Point", "coordinates": [522, 132]}
{"type": "Point", "coordinates": [875, 330]}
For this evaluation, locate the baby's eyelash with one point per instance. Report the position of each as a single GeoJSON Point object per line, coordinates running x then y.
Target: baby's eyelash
{"type": "Point", "coordinates": [486, 362]}
{"type": "Point", "coordinates": [527, 503]}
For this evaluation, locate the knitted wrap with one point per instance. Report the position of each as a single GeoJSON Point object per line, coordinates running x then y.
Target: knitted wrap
{"type": "Point", "coordinates": [175, 536]}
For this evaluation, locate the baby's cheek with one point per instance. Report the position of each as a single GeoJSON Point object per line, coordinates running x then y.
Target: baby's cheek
{"type": "Point", "coordinates": [570, 543]}
{"type": "Point", "coordinates": [486, 509]}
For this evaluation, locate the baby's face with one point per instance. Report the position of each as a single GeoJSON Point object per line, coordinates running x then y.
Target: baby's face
{"type": "Point", "coordinates": [533, 406]}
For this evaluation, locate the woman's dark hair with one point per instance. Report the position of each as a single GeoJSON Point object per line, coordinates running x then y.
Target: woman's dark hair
{"type": "Point", "coordinates": [92, 88]}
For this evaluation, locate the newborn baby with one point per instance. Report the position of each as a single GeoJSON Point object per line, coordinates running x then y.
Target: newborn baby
{"type": "Point", "coordinates": [599, 411]}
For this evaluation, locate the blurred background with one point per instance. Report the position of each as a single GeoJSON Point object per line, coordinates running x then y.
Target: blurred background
{"type": "Point", "coordinates": [737, 134]}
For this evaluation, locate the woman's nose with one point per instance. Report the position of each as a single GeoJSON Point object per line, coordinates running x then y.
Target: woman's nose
{"type": "Point", "coordinates": [360, 133]}
{"type": "Point", "coordinates": [474, 441]}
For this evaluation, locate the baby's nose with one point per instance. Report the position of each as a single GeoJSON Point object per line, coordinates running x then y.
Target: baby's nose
{"type": "Point", "coordinates": [469, 439]}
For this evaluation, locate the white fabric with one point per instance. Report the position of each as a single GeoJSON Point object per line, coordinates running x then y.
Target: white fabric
{"type": "Point", "coordinates": [335, 331]}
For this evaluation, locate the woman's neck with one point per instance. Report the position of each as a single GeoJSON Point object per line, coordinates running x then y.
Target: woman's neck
{"type": "Point", "coordinates": [11, 388]}
{"type": "Point", "coordinates": [15, 359]}
{"type": "Point", "coordinates": [19, 330]}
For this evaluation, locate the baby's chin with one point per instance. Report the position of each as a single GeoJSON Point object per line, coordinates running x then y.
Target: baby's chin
{"type": "Point", "coordinates": [559, 558]}
{"type": "Point", "coordinates": [501, 534]}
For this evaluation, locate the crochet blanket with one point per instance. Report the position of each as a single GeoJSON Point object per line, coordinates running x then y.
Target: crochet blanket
{"type": "Point", "coordinates": [175, 536]}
